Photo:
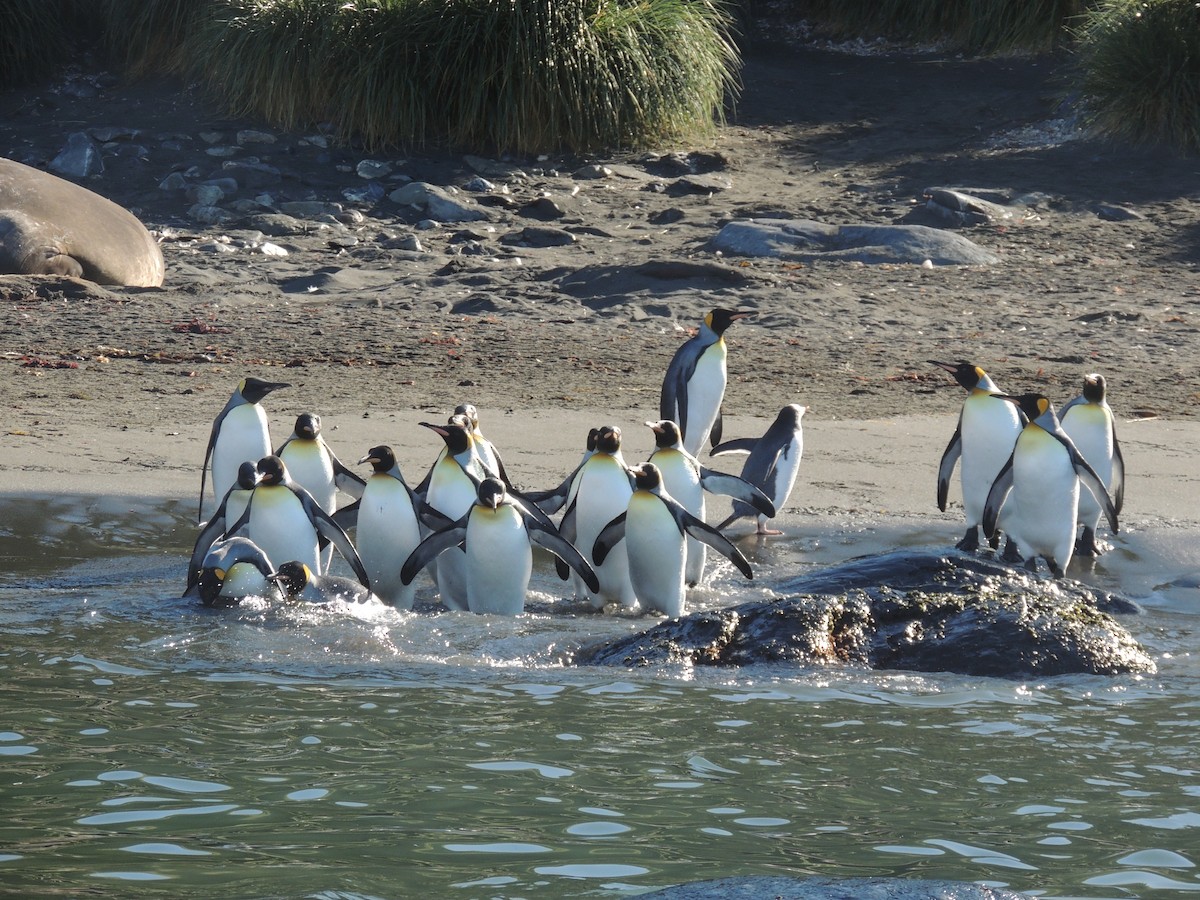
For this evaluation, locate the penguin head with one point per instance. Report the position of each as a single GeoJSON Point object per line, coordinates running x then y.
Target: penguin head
{"type": "Point", "coordinates": [254, 389]}
{"type": "Point", "coordinates": [291, 578]}
{"type": "Point", "coordinates": [247, 476]}
{"type": "Point", "coordinates": [381, 458]}
{"type": "Point", "coordinates": [491, 492]}
{"type": "Point", "coordinates": [1094, 388]}
{"type": "Point", "coordinates": [210, 583]}
{"type": "Point", "coordinates": [272, 471]}
{"type": "Point", "coordinates": [666, 434]}
{"type": "Point", "coordinates": [1032, 406]}
{"type": "Point", "coordinates": [308, 426]}
{"type": "Point", "coordinates": [468, 412]}
{"type": "Point", "coordinates": [647, 477]}
{"type": "Point", "coordinates": [969, 375]}
{"type": "Point", "coordinates": [455, 433]}
{"type": "Point", "coordinates": [608, 439]}
{"type": "Point", "coordinates": [720, 319]}
{"type": "Point", "coordinates": [792, 414]}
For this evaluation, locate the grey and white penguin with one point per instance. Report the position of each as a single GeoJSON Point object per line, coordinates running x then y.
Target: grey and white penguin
{"type": "Point", "coordinates": [772, 465]}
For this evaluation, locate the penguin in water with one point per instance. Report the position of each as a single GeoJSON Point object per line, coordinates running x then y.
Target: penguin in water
{"type": "Point", "coordinates": [315, 467]}
{"type": "Point", "coordinates": [1039, 487]}
{"type": "Point", "coordinates": [771, 466]}
{"type": "Point", "coordinates": [287, 523]}
{"type": "Point", "coordinates": [389, 526]}
{"type": "Point", "coordinates": [299, 583]}
{"type": "Point", "coordinates": [1089, 422]}
{"type": "Point", "coordinates": [694, 385]}
{"type": "Point", "coordinates": [237, 498]}
{"type": "Point", "coordinates": [497, 535]}
{"type": "Point", "coordinates": [239, 433]}
{"type": "Point", "coordinates": [687, 481]}
{"type": "Point", "coordinates": [233, 569]}
{"type": "Point", "coordinates": [986, 432]}
{"type": "Point", "coordinates": [653, 529]}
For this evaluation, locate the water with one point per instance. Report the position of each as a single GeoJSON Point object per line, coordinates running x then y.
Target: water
{"type": "Point", "coordinates": [152, 748]}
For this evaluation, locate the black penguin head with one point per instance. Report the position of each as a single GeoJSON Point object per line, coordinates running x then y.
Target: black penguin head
{"type": "Point", "coordinates": [254, 389]}
{"type": "Point", "coordinates": [1094, 388]}
{"type": "Point", "coordinates": [491, 492]}
{"type": "Point", "coordinates": [291, 577]}
{"type": "Point", "coordinates": [666, 433]}
{"type": "Point", "coordinates": [720, 319]}
{"type": "Point", "coordinates": [308, 426]}
{"type": "Point", "coordinates": [608, 439]}
{"type": "Point", "coordinates": [210, 584]}
{"type": "Point", "coordinates": [454, 433]}
{"type": "Point", "coordinates": [469, 413]}
{"type": "Point", "coordinates": [646, 477]}
{"type": "Point", "coordinates": [792, 414]}
{"type": "Point", "coordinates": [272, 471]}
{"type": "Point", "coordinates": [1032, 406]}
{"type": "Point", "coordinates": [966, 374]}
{"type": "Point", "coordinates": [381, 458]}
{"type": "Point", "coordinates": [247, 476]}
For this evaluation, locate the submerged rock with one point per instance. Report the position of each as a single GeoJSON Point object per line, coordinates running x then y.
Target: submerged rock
{"type": "Point", "coordinates": [921, 612]}
{"type": "Point", "coordinates": [782, 888]}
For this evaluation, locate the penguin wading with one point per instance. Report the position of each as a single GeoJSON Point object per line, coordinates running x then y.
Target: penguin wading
{"type": "Point", "coordinates": [601, 491]}
{"type": "Point", "coordinates": [1089, 422]}
{"type": "Point", "coordinates": [772, 465]}
{"type": "Point", "coordinates": [388, 527]}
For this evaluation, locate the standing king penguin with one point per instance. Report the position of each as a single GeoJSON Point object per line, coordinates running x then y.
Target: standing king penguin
{"type": "Point", "coordinates": [986, 432]}
{"type": "Point", "coordinates": [1039, 488]}
{"type": "Point", "coordinates": [694, 385]}
{"type": "Point", "coordinates": [772, 465]}
{"type": "Point", "coordinates": [388, 527]}
{"type": "Point", "coordinates": [653, 528]}
{"type": "Point", "coordinates": [496, 535]}
{"type": "Point", "coordinates": [1089, 421]}
{"type": "Point", "coordinates": [239, 433]}
{"type": "Point", "coordinates": [599, 492]}
{"type": "Point", "coordinates": [315, 467]}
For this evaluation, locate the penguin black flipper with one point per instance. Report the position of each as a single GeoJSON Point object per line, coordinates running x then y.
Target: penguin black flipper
{"type": "Point", "coordinates": [737, 445]}
{"type": "Point", "coordinates": [996, 497]}
{"type": "Point", "coordinates": [946, 468]}
{"type": "Point", "coordinates": [563, 550]}
{"type": "Point", "coordinates": [705, 533]}
{"type": "Point", "coordinates": [570, 533]}
{"type": "Point", "coordinates": [455, 535]}
{"type": "Point", "coordinates": [213, 530]}
{"type": "Point", "coordinates": [673, 399]}
{"type": "Point", "coordinates": [1118, 474]}
{"type": "Point", "coordinates": [738, 488]}
{"type": "Point", "coordinates": [347, 516]}
{"type": "Point", "coordinates": [330, 530]}
{"type": "Point", "coordinates": [350, 483]}
{"type": "Point", "coordinates": [212, 442]}
{"type": "Point", "coordinates": [1092, 481]}
{"type": "Point", "coordinates": [431, 518]}
{"type": "Point", "coordinates": [552, 501]}
{"type": "Point", "coordinates": [714, 434]}
{"type": "Point", "coordinates": [610, 535]}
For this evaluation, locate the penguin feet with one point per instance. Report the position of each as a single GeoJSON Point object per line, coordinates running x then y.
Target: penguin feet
{"type": "Point", "coordinates": [1086, 544]}
{"type": "Point", "coordinates": [764, 531]}
{"type": "Point", "coordinates": [970, 541]}
{"type": "Point", "coordinates": [1011, 554]}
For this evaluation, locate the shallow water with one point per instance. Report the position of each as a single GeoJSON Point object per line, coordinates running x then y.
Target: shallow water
{"type": "Point", "coordinates": [153, 748]}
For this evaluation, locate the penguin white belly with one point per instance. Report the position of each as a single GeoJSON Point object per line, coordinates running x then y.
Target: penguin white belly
{"type": "Point", "coordinates": [499, 561]}
{"type": "Point", "coordinates": [1090, 429]}
{"type": "Point", "coordinates": [311, 468]}
{"type": "Point", "coordinates": [243, 438]}
{"type": "Point", "coordinates": [989, 429]}
{"type": "Point", "coordinates": [245, 580]}
{"type": "Point", "coordinates": [235, 506]}
{"type": "Point", "coordinates": [387, 533]}
{"type": "Point", "coordinates": [783, 479]}
{"type": "Point", "coordinates": [705, 391]}
{"type": "Point", "coordinates": [452, 494]}
{"type": "Point", "coordinates": [656, 555]}
{"type": "Point", "coordinates": [281, 527]}
{"type": "Point", "coordinates": [682, 481]}
{"type": "Point", "coordinates": [1044, 498]}
{"type": "Point", "coordinates": [603, 494]}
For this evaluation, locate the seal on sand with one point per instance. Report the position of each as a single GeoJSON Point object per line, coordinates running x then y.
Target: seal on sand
{"type": "Point", "coordinates": [49, 226]}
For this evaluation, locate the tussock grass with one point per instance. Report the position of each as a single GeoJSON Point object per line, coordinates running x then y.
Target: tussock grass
{"type": "Point", "coordinates": [147, 36]}
{"type": "Point", "coordinates": [32, 40]}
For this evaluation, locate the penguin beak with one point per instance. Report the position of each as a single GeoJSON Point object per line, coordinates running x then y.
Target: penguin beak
{"type": "Point", "coordinates": [368, 459]}
{"type": "Point", "coordinates": [437, 428]}
{"type": "Point", "coordinates": [949, 367]}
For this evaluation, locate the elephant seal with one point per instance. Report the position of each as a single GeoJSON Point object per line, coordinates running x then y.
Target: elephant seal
{"type": "Point", "coordinates": [49, 226]}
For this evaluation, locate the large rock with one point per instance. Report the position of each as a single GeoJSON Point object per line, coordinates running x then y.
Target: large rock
{"type": "Point", "coordinates": [904, 610]}
{"type": "Point", "coordinates": [801, 240]}
{"type": "Point", "coordinates": [782, 888]}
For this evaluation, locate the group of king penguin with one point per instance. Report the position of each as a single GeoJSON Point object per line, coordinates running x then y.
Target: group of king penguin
{"type": "Point", "coordinates": [635, 537]}
{"type": "Point", "coordinates": [631, 537]}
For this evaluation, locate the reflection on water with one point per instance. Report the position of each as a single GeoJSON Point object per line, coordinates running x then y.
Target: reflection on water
{"type": "Point", "coordinates": [152, 748]}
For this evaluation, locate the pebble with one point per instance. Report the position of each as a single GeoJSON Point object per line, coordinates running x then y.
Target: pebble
{"type": "Point", "coordinates": [255, 137]}
{"type": "Point", "coordinates": [373, 168]}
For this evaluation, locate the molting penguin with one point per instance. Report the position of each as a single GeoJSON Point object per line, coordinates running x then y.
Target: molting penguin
{"type": "Point", "coordinates": [233, 569]}
{"type": "Point", "coordinates": [1089, 422]}
{"type": "Point", "coordinates": [686, 480]}
{"type": "Point", "coordinates": [388, 527]}
{"type": "Point", "coordinates": [314, 466]}
{"type": "Point", "coordinates": [1039, 487]}
{"type": "Point", "coordinates": [653, 529]}
{"type": "Point", "coordinates": [299, 583]}
{"type": "Point", "coordinates": [232, 507]}
{"type": "Point", "coordinates": [239, 433]}
{"type": "Point", "coordinates": [694, 385]}
{"type": "Point", "coordinates": [771, 466]}
{"type": "Point", "coordinates": [497, 535]}
{"type": "Point", "coordinates": [987, 429]}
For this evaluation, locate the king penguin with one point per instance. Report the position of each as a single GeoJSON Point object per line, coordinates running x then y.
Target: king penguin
{"type": "Point", "coordinates": [653, 528]}
{"type": "Point", "coordinates": [388, 527]}
{"type": "Point", "coordinates": [687, 481]}
{"type": "Point", "coordinates": [299, 583]}
{"type": "Point", "coordinates": [1039, 487]}
{"type": "Point", "coordinates": [451, 488]}
{"type": "Point", "coordinates": [497, 536]}
{"type": "Point", "coordinates": [315, 467]}
{"type": "Point", "coordinates": [772, 465]}
{"type": "Point", "coordinates": [601, 491]}
{"type": "Point", "coordinates": [694, 385]}
{"type": "Point", "coordinates": [489, 456]}
{"type": "Point", "coordinates": [232, 570]}
{"type": "Point", "coordinates": [237, 498]}
{"type": "Point", "coordinates": [239, 433]}
{"type": "Point", "coordinates": [553, 500]}
{"type": "Point", "coordinates": [1089, 422]}
{"type": "Point", "coordinates": [984, 437]}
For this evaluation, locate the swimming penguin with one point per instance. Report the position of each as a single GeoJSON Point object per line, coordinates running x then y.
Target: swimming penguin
{"type": "Point", "coordinates": [496, 536]}
{"type": "Point", "coordinates": [1089, 421]}
{"type": "Point", "coordinates": [489, 456]}
{"type": "Point", "coordinates": [771, 466]}
{"type": "Point", "coordinates": [233, 569]}
{"type": "Point", "coordinates": [687, 481]}
{"type": "Point", "coordinates": [694, 385]}
{"type": "Point", "coordinates": [388, 527]}
{"type": "Point", "coordinates": [1039, 488]}
{"type": "Point", "coordinates": [987, 429]}
{"type": "Point", "coordinates": [239, 433]}
{"type": "Point", "coordinates": [315, 467]}
{"type": "Point", "coordinates": [300, 583]}
{"type": "Point", "coordinates": [288, 524]}
{"type": "Point", "coordinates": [237, 498]}
{"type": "Point", "coordinates": [600, 492]}
{"type": "Point", "coordinates": [653, 529]}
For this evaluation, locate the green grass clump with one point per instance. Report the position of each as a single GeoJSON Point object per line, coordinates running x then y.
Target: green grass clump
{"type": "Point", "coordinates": [147, 36]}
{"type": "Point", "coordinates": [1138, 72]}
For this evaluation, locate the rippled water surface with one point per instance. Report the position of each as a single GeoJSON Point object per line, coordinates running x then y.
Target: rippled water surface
{"type": "Point", "coordinates": [152, 748]}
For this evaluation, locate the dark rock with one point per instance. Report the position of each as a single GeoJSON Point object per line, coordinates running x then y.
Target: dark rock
{"type": "Point", "coordinates": [759, 887]}
{"type": "Point", "coordinates": [278, 224]}
{"type": "Point", "coordinates": [666, 216]}
{"type": "Point", "coordinates": [1111, 213]}
{"type": "Point", "coordinates": [540, 236]}
{"type": "Point", "coordinates": [905, 610]}
{"type": "Point", "coordinates": [543, 209]}
{"type": "Point", "coordinates": [79, 158]}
